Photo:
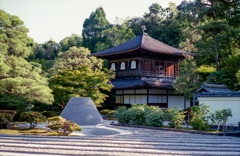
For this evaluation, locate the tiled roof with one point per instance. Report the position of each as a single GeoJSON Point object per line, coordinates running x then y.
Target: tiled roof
{"type": "Point", "coordinates": [220, 94]}
{"type": "Point", "coordinates": [213, 88]}
{"type": "Point", "coordinates": [139, 83]}
{"type": "Point", "coordinates": [142, 41]}
{"type": "Point", "coordinates": [127, 83]}
{"type": "Point", "coordinates": [216, 90]}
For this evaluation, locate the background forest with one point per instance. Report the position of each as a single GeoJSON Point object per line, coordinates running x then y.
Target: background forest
{"type": "Point", "coordinates": [33, 74]}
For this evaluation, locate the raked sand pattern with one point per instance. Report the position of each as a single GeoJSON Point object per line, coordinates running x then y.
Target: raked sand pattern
{"type": "Point", "coordinates": [139, 142]}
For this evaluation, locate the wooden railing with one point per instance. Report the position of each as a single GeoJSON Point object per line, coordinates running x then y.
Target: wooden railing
{"type": "Point", "coordinates": [126, 73]}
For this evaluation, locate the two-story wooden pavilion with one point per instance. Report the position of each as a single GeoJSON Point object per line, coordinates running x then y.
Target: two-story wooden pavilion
{"type": "Point", "coordinates": [145, 71]}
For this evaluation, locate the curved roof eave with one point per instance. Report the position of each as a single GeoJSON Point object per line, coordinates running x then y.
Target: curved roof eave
{"type": "Point", "coordinates": [146, 42]}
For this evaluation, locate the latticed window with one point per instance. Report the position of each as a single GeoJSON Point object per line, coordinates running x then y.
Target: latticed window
{"type": "Point", "coordinates": [113, 66]}
{"type": "Point", "coordinates": [133, 65]}
{"type": "Point", "coordinates": [123, 67]}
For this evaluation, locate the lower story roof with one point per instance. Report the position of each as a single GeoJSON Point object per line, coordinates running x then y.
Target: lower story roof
{"type": "Point", "coordinates": [142, 83]}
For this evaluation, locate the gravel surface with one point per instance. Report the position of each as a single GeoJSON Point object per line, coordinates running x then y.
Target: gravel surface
{"type": "Point", "coordinates": [139, 142]}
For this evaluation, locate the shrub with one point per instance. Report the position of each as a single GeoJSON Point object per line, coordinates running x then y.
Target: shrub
{"type": "Point", "coordinates": [17, 116]}
{"type": "Point", "coordinates": [33, 118]}
{"type": "Point", "coordinates": [200, 117]}
{"type": "Point", "coordinates": [122, 115]}
{"type": "Point", "coordinates": [136, 114]}
{"type": "Point", "coordinates": [220, 117]}
{"type": "Point", "coordinates": [6, 116]}
{"type": "Point", "coordinates": [175, 117]}
{"type": "Point", "coordinates": [49, 114]}
{"type": "Point", "coordinates": [108, 113]}
{"type": "Point", "coordinates": [155, 117]}
{"type": "Point", "coordinates": [61, 126]}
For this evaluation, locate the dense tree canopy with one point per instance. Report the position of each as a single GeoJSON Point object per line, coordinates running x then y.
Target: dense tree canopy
{"type": "Point", "coordinates": [18, 76]}
{"type": "Point", "coordinates": [73, 40]}
{"type": "Point", "coordinates": [92, 28]}
{"type": "Point", "coordinates": [114, 36]}
{"type": "Point", "coordinates": [82, 82]}
{"type": "Point", "coordinates": [188, 80]}
{"type": "Point", "coordinates": [77, 73]}
{"type": "Point", "coordinates": [75, 58]}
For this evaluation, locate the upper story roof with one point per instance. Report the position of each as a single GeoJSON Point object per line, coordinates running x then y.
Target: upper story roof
{"type": "Point", "coordinates": [143, 41]}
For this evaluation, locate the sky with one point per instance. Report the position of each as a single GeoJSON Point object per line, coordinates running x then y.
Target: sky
{"type": "Point", "coordinates": [57, 19]}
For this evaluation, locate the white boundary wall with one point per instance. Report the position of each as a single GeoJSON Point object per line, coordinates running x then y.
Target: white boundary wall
{"type": "Point", "coordinates": [177, 101]}
{"type": "Point", "coordinates": [224, 102]}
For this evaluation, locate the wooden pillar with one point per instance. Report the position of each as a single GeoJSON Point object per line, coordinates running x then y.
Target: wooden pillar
{"type": "Point", "coordinates": [115, 103]}
{"type": "Point", "coordinates": [167, 98]}
{"type": "Point", "coordinates": [165, 68]}
{"type": "Point", "coordinates": [147, 96]}
{"type": "Point", "coordinates": [153, 68]}
{"type": "Point", "coordinates": [139, 66]}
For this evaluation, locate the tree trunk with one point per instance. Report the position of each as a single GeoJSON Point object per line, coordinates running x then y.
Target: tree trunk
{"type": "Point", "coordinates": [224, 129]}
{"type": "Point", "coordinates": [216, 51]}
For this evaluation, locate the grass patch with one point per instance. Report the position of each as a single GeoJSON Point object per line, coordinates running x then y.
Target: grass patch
{"type": "Point", "coordinates": [110, 119]}
{"type": "Point", "coordinates": [15, 130]}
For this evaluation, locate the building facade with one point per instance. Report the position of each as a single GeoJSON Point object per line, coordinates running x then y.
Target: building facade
{"type": "Point", "coordinates": [145, 72]}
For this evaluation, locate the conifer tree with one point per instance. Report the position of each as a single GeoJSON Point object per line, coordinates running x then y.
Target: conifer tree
{"type": "Point", "coordinates": [19, 77]}
{"type": "Point", "coordinates": [92, 28]}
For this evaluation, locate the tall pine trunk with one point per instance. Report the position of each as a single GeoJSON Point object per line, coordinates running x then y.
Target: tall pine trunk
{"type": "Point", "coordinates": [216, 53]}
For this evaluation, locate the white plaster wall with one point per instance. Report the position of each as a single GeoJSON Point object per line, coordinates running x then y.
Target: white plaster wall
{"type": "Point", "coordinates": [176, 101]}
{"type": "Point", "coordinates": [188, 104]}
{"type": "Point", "coordinates": [224, 102]}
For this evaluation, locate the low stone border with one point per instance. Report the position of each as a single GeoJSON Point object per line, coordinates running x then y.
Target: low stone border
{"type": "Point", "coordinates": [177, 130]}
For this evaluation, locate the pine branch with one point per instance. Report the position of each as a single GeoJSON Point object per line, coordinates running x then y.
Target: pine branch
{"type": "Point", "coordinates": [9, 91]}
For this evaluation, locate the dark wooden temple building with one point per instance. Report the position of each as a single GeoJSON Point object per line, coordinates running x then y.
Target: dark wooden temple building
{"type": "Point", "coordinates": [145, 71]}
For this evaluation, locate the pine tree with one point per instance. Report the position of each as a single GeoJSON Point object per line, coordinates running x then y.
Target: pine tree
{"type": "Point", "coordinates": [18, 77]}
{"type": "Point", "coordinates": [92, 28]}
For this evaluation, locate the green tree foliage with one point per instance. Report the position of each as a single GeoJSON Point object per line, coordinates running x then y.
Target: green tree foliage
{"type": "Point", "coordinates": [48, 50]}
{"type": "Point", "coordinates": [19, 77]}
{"type": "Point", "coordinates": [175, 117]}
{"type": "Point", "coordinates": [78, 73]}
{"type": "Point", "coordinates": [220, 117]}
{"type": "Point", "coordinates": [188, 79]}
{"type": "Point", "coordinates": [135, 24]}
{"type": "Point", "coordinates": [33, 118]}
{"type": "Point", "coordinates": [200, 117]}
{"type": "Point", "coordinates": [92, 28]}
{"type": "Point", "coordinates": [114, 36]}
{"type": "Point", "coordinates": [75, 58]}
{"type": "Point", "coordinates": [223, 77]}
{"type": "Point", "coordinates": [6, 116]}
{"type": "Point", "coordinates": [45, 53]}
{"type": "Point", "coordinates": [73, 40]}
{"type": "Point", "coordinates": [163, 24]}
{"type": "Point", "coordinates": [81, 82]}
{"type": "Point", "coordinates": [13, 36]}
{"type": "Point", "coordinates": [218, 31]}
{"type": "Point", "coordinates": [204, 71]}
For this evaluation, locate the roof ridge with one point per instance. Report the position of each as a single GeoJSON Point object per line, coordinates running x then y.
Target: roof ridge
{"type": "Point", "coordinates": [205, 85]}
